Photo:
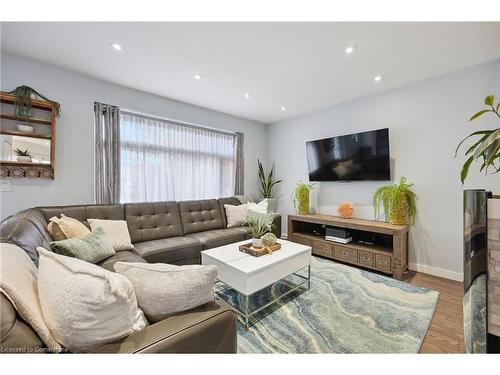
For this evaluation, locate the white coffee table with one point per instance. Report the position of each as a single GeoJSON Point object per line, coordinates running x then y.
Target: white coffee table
{"type": "Point", "coordinates": [248, 274]}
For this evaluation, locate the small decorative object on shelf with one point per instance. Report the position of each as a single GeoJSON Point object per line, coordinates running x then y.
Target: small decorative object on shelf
{"type": "Point", "coordinates": [23, 156]}
{"type": "Point", "coordinates": [24, 96]}
{"type": "Point", "coordinates": [399, 202]}
{"type": "Point", "coordinates": [25, 128]}
{"type": "Point", "coordinates": [345, 210]}
{"type": "Point", "coordinates": [301, 197]}
{"type": "Point", "coordinates": [259, 225]}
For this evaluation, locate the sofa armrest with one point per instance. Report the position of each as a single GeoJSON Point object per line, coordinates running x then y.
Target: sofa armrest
{"type": "Point", "coordinates": [210, 328]}
{"type": "Point", "coordinates": [276, 226]}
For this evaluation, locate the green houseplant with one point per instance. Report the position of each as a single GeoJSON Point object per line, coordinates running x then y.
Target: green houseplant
{"type": "Point", "coordinates": [259, 225]}
{"type": "Point", "coordinates": [487, 148]}
{"type": "Point", "coordinates": [300, 196]}
{"type": "Point", "coordinates": [24, 95]}
{"type": "Point", "coordinates": [398, 200]}
{"type": "Point", "coordinates": [23, 156]}
{"type": "Point", "coordinates": [267, 184]}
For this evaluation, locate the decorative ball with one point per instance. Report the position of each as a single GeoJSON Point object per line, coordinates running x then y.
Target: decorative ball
{"type": "Point", "coordinates": [268, 239]}
{"type": "Point", "coordinates": [345, 210]}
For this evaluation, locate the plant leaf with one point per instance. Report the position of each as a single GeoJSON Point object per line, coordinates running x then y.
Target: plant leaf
{"type": "Point", "coordinates": [471, 135]}
{"type": "Point", "coordinates": [480, 113]}
{"type": "Point", "coordinates": [465, 169]}
{"type": "Point", "coordinates": [489, 100]}
{"type": "Point", "coordinates": [492, 138]}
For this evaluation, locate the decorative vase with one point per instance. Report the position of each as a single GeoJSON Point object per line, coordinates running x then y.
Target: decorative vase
{"type": "Point", "coordinates": [345, 210]}
{"type": "Point", "coordinates": [303, 203]}
{"type": "Point", "coordinates": [257, 243]}
{"type": "Point", "coordinates": [398, 214]}
{"type": "Point", "coordinates": [23, 159]}
{"type": "Point", "coordinates": [271, 204]}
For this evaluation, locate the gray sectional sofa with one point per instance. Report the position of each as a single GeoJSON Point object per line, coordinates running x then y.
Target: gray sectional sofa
{"type": "Point", "coordinates": [161, 232]}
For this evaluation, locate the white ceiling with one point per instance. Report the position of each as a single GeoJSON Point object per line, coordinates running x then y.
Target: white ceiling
{"type": "Point", "coordinates": [298, 65]}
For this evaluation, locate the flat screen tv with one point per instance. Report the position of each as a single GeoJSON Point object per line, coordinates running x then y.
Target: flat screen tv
{"type": "Point", "coordinates": [354, 157]}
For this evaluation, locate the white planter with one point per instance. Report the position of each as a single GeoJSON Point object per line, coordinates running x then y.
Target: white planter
{"type": "Point", "coordinates": [257, 242]}
{"type": "Point", "coordinates": [271, 204]}
{"type": "Point", "coordinates": [23, 159]}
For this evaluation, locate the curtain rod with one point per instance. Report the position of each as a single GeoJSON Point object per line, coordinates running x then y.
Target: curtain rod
{"type": "Point", "coordinates": [174, 122]}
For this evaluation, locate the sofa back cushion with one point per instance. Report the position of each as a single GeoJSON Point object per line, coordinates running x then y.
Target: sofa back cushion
{"type": "Point", "coordinates": [233, 201]}
{"type": "Point", "coordinates": [153, 221]}
{"type": "Point", "coordinates": [84, 212]}
{"type": "Point", "coordinates": [26, 229]}
{"type": "Point", "coordinates": [200, 215]}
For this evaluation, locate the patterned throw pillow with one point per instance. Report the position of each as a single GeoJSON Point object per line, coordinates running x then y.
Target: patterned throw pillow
{"type": "Point", "coordinates": [92, 248]}
{"type": "Point", "coordinates": [116, 230]}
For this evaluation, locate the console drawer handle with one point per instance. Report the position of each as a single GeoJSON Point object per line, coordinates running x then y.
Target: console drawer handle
{"type": "Point", "coordinates": [345, 253]}
{"type": "Point", "coordinates": [382, 262]}
{"type": "Point", "coordinates": [365, 257]}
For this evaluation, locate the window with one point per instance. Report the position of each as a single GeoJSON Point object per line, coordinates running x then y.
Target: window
{"type": "Point", "coordinates": [163, 160]}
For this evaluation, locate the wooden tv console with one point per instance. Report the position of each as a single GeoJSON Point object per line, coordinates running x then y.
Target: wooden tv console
{"type": "Point", "coordinates": [392, 261]}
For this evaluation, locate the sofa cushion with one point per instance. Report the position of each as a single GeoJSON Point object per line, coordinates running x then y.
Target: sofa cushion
{"type": "Point", "coordinates": [152, 221]}
{"type": "Point", "coordinates": [66, 227]}
{"type": "Point", "coordinates": [233, 201]}
{"type": "Point", "coordinates": [218, 237]}
{"type": "Point", "coordinates": [244, 230]}
{"type": "Point", "coordinates": [28, 230]}
{"type": "Point", "coordinates": [169, 250]}
{"type": "Point", "coordinates": [121, 256]}
{"type": "Point", "coordinates": [84, 212]}
{"type": "Point", "coordinates": [115, 230]}
{"type": "Point", "coordinates": [200, 215]}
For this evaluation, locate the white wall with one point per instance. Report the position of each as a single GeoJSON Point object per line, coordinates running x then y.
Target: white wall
{"type": "Point", "coordinates": [75, 139]}
{"type": "Point", "coordinates": [426, 122]}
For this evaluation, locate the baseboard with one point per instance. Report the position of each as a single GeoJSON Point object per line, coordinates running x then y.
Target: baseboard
{"type": "Point", "coordinates": [435, 271]}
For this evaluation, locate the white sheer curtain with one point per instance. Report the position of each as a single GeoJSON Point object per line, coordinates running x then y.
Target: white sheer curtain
{"type": "Point", "coordinates": [162, 160]}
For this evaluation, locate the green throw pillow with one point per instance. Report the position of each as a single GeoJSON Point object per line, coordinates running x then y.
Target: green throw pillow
{"type": "Point", "coordinates": [92, 247]}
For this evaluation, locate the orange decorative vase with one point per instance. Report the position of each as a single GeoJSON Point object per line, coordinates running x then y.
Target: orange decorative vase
{"type": "Point", "coordinates": [345, 210]}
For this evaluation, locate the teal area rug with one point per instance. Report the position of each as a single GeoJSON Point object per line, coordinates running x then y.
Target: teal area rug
{"type": "Point", "coordinates": [347, 310]}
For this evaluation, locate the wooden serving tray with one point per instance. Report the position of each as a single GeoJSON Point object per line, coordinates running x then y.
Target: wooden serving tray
{"type": "Point", "coordinates": [249, 249]}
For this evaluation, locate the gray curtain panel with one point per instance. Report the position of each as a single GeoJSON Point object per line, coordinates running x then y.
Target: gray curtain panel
{"type": "Point", "coordinates": [239, 162]}
{"type": "Point", "coordinates": [107, 153]}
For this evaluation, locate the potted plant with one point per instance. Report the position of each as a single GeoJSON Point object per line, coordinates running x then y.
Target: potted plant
{"type": "Point", "coordinates": [259, 225]}
{"type": "Point", "coordinates": [398, 200]}
{"type": "Point", "coordinates": [301, 197]}
{"type": "Point", "coordinates": [24, 95]}
{"type": "Point", "coordinates": [23, 156]}
{"type": "Point", "coordinates": [487, 148]}
{"type": "Point", "coordinates": [267, 184]}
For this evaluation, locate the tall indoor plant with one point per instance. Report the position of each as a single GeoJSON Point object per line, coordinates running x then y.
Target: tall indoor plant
{"type": "Point", "coordinates": [398, 200]}
{"type": "Point", "coordinates": [267, 185]}
{"type": "Point", "coordinates": [301, 197]}
{"type": "Point", "coordinates": [23, 96]}
{"type": "Point", "coordinates": [487, 148]}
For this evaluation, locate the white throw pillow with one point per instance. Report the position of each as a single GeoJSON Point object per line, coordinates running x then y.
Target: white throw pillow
{"type": "Point", "coordinates": [84, 305]}
{"type": "Point", "coordinates": [260, 208]}
{"type": "Point", "coordinates": [116, 230]}
{"type": "Point", "coordinates": [164, 289]}
{"type": "Point", "coordinates": [235, 215]}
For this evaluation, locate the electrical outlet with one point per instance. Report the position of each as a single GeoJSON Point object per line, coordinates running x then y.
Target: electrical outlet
{"type": "Point", "coordinates": [5, 185]}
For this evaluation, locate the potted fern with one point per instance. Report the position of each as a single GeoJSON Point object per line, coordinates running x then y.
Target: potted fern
{"type": "Point", "coordinates": [259, 225]}
{"type": "Point", "coordinates": [399, 202]}
{"type": "Point", "coordinates": [487, 148]}
{"type": "Point", "coordinates": [267, 185]}
{"type": "Point", "coordinates": [23, 156]}
{"type": "Point", "coordinates": [301, 197]}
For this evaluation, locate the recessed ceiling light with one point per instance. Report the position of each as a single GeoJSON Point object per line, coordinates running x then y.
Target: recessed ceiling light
{"type": "Point", "coordinates": [350, 49]}
{"type": "Point", "coordinates": [197, 76]}
{"type": "Point", "coordinates": [116, 46]}
{"type": "Point", "coordinates": [283, 108]}
{"type": "Point", "coordinates": [377, 78]}
{"type": "Point", "coordinates": [247, 95]}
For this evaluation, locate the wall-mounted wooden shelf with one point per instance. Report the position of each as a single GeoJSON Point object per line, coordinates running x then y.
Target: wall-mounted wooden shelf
{"type": "Point", "coordinates": [10, 168]}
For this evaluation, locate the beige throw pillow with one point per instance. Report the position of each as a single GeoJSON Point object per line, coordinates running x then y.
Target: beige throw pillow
{"type": "Point", "coordinates": [235, 215]}
{"type": "Point", "coordinates": [260, 208]}
{"type": "Point", "coordinates": [164, 289]}
{"type": "Point", "coordinates": [66, 227]}
{"type": "Point", "coordinates": [84, 305]}
{"type": "Point", "coordinates": [116, 230]}
{"type": "Point", "coordinates": [18, 282]}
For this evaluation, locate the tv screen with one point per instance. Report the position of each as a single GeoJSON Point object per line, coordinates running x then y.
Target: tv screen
{"type": "Point", "coordinates": [353, 157]}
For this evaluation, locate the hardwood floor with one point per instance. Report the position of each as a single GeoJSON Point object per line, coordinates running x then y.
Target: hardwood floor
{"type": "Point", "coordinates": [445, 334]}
